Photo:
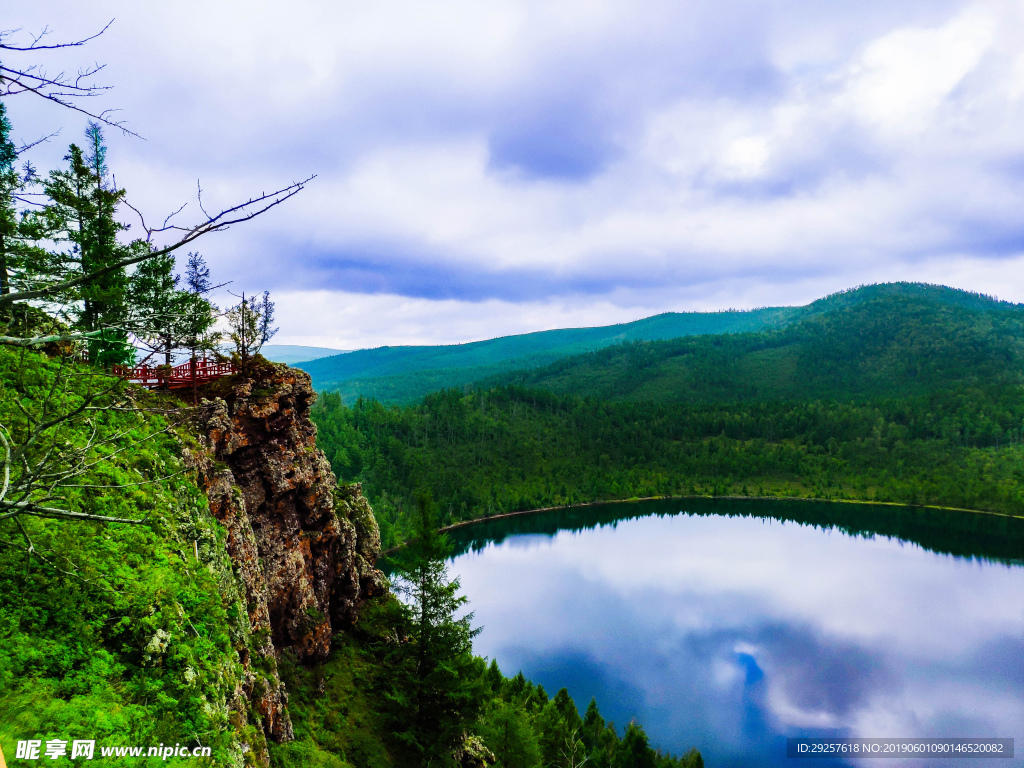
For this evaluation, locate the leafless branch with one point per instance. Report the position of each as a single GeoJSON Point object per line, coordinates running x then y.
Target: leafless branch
{"type": "Point", "coordinates": [227, 218]}
{"type": "Point", "coordinates": [27, 508]}
{"type": "Point", "coordinates": [62, 89]}
{"type": "Point", "coordinates": [171, 215]}
{"type": "Point", "coordinates": [33, 342]}
{"type": "Point", "coordinates": [34, 46]}
{"type": "Point", "coordinates": [26, 147]}
{"type": "Point", "coordinates": [60, 445]}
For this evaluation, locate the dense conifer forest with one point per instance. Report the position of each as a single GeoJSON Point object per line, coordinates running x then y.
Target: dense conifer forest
{"type": "Point", "coordinates": [905, 394]}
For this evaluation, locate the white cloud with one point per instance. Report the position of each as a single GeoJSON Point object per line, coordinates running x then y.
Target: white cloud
{"type": "Point", "coordinates": [742, 157]}
{"type": "Point", "coordinates": [903, 77]}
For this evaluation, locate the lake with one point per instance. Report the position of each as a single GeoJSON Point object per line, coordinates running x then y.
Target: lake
{"type": "Point", "coordinates": [731, 625]}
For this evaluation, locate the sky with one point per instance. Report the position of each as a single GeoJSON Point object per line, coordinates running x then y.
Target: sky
{"type": "Point", "coordinates": [484, 169]}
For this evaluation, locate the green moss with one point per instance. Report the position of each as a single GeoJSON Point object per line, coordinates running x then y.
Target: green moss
{"type": "Point", "coordinates": [117, 632]}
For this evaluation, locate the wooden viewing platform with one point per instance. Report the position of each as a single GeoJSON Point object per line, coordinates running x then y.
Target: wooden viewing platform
{"type": "Point", "coordinates": [182, 376]}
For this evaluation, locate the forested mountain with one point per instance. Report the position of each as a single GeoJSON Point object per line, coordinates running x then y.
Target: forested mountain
{"type": "Point", "coordinates": [508, 448]}
{"type": "Point", "coordinates": [881, 341]}
{"type": "Point", "coordinates": [405, 374]}
{"type": "Point", "coordinates": [901, 393]}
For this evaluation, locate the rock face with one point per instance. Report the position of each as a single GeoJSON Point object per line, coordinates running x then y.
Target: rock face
{"type": "Point", "coordinates": [304, 549]}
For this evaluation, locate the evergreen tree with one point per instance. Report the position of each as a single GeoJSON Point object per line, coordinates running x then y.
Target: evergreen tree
{"type": "Point", "coordinates": [83, 207]}
{"type": "Point", "coordinates": [439, 685]}
{"type": "Point", "coordinates": [560, 727]}
{"type": "Point", "coordinates": [157, 304]}
{"type": "Point", "coordinates": [84, 204]}
{"type": "Point", "coordinates": [251, 322]}
{"type": "Point", "coordinates": [510, 736]}
{"type": "Point", "coordinates": [634, 751]}
{"type": "Point", "coordinates": [165, 317]}
{"type": "Point", "coordinates": [9, 185]}
{"type": "Point", "coordinates": [200, 313]}
{"type": "Point", "coordinates": [20, 256]}
{"type": "Point", "coordinates": [494, 677]}
{"type": "Point", "coordinates": [593, 725]}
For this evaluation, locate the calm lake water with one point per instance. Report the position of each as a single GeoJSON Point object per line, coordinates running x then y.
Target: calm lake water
{"type": "Point", "coordinates": [730, 625]}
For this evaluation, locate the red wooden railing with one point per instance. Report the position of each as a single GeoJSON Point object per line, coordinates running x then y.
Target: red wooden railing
{"type": "Point", "coordinates": [178, 377]}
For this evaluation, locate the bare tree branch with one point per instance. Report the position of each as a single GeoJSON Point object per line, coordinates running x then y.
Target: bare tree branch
{"type": "Point", "coordinates": [34, 46]}
{"type": "Point", "coordinates": [33, 342]}
{"type": "Point", "coordinates": [61, 89]}
{"type": "Point", "coordinates": [26, 508]}
{"type": "Point", "coordinates": [226, 218]}
{"type": "Point", "coordinates": [26, 147]}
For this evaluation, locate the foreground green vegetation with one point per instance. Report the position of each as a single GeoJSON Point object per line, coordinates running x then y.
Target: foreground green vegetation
{"type": "Point", "coordinates": [133, 634]}
{"type": "Point", "coordinates": [127, 634]}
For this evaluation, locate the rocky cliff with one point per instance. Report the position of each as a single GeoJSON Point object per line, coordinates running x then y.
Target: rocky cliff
{"type": "Point", "coordinates": [303, 549]}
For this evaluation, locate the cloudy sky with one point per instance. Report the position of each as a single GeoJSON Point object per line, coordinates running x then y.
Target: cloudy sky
{"type": "Point", "coordinates": [501, 167]}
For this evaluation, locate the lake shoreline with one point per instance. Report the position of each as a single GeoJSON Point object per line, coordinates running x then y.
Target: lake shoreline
{"type": "Point", "coordinates": [584, 504]}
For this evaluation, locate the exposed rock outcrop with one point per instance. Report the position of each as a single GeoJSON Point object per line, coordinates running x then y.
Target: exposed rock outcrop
{"type": "Point", "coordinates": [303, 549]}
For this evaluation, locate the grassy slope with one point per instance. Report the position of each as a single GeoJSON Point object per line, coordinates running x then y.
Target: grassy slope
{"type": "Point", "coordinates": [404, 374]}
{"type": "Point", "coordinates": [117, 632]}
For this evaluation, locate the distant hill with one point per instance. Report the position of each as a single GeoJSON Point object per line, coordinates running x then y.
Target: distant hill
{"type": "Point", "coordinates": [901, 393]}
{"type": "Point", "coordinates": [405, 374]}
{"type": "Point", "coordinates": [293, 353]}
{"type": "Point", "coordinates": [890, 340]}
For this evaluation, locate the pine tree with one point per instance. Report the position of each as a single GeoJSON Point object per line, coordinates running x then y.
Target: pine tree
{"type": "Point", "coordinates": [510, 736]}
{"type": "Point", "coordinates": [251, 322]}
{"type": "Point", "coordinates": [560, 727]}
{"type": "Point", "coordinates": [593, 726]}
{"type": "Point", "coordinates": [9, 185]}
{"type": "Point", "coordinates": [634, 751]}
{"type": "Point", "coordinates": [439, 685]}
{"type": "Point", "coordinates": [157, 304]}
{"type": "Point", "coordinates": [83, 207]}
{"type": "Point", "coordinates": [201, 313]}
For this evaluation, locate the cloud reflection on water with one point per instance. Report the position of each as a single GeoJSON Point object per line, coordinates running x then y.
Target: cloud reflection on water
{"type": "Point", "coordinates": [733, 633]}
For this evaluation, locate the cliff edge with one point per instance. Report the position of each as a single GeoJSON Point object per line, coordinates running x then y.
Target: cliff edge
{"type": "Point", "coordinates": [303, 549]}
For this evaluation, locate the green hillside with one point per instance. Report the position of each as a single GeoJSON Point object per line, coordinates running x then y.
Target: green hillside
{"type": "Point", "coordinates": [880, 341]}
{"type": "Point", "coordinates": [900, 393]}
{"type": "Point", "coordinates": [405, 374]}
{"type": "Point", "coordinates": [81, 602]}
